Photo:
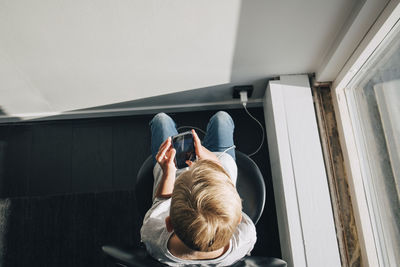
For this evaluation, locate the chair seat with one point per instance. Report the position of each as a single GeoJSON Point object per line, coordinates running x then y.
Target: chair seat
{"type": "Point", "coordinates": [255, 261]}
{"type": "Point", "coordinates": [132, 257]}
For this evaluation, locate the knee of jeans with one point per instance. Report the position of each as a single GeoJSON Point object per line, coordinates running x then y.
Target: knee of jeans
{"type": "Point", "coordinates": [223, 117]}
{"type": "Point", "coordinates": [160, 117]}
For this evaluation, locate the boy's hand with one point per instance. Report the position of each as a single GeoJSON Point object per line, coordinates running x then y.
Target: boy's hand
{"type": "Point", "coordinates": [165, 157]}
{"type": "Point", "coordinates": [201, 151]}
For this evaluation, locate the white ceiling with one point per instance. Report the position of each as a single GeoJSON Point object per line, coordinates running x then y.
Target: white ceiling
{"type": "Point", "coordinates": [58, 56]}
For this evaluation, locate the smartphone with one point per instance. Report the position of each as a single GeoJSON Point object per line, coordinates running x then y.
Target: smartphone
{"type": "Point", "coordinates": [184, 146]}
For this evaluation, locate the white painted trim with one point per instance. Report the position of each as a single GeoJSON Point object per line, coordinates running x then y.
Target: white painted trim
{"type": "Point", "coordinates": [283, 177]}
{"type": "Point", "coordinates": [362, 17]}
{"type": "Point", "coordinates": [304, 209]}
{"type": "Point", "coordinates": [80, 114]}
{"type": "Point", "coordinates": [356, 185]}
{"type": "Point", "coordinates": [385, 23]}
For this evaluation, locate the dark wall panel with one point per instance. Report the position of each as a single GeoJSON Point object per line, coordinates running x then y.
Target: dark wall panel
{"type": "Point", "coordinates": [92, 158]}
{"type": "Point", "coordinates": [66, 230]}
{"type": "Point", "coordinates": [15, 150]}
{"type": "Point", "coordinates": [51, 159]}
{"type": "Point", "coordinates": [3, 157]}
{"type": "Point", "coordinates": [131, 146]}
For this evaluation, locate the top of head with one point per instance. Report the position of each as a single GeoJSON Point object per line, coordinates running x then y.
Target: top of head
{"type": "Point", "coordinates": [205, 207]}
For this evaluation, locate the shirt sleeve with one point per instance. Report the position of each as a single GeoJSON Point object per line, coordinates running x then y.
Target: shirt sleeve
{"type": "Point", "coordinates": [246, 235]}
{"type": "Point", "coordinates": [153, 229]}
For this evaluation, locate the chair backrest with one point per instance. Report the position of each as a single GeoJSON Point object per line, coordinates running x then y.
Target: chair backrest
{"type": "Point", "coordinates": [250, 185]}
{"type": "Point", "coordinates": [140, 258]}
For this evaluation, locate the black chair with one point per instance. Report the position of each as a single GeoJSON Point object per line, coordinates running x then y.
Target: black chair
{"type": "Point", "coordinates": [251, 187]}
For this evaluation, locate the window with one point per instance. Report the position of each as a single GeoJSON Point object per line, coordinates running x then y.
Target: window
{"type": "Point", "coordinates": [373, 100]}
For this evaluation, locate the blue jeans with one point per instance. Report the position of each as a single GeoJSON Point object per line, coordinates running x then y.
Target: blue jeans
{"type": "Point", "coordinates": [218, 138]}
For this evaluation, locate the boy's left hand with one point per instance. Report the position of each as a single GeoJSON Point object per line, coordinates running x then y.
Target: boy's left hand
{"type": "Point", "coordinates": [201, 151]}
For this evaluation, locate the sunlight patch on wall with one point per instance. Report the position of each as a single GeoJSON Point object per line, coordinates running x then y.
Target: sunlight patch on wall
{"type": "Point", "coordinates": [76, 55]}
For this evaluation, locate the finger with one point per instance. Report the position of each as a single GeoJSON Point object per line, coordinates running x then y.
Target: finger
{"type": "Point", "coordinates": [165, 143]}
{"type": "Point", "coordinates": [171, 155]}
{"type": "Point", "coordinates": [189, 163]}
{"type": "Point", "coordinates": [195, 136]}
{"type": "Point", "coordinates": [160, 157]}
{"type": "Point", "coordinates": [197, 142]}
{"type": "Point", "coordinates": [161, 154]}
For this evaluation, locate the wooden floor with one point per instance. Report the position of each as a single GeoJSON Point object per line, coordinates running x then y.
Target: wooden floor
{"type": "Point", "coordinates": [105, 154]}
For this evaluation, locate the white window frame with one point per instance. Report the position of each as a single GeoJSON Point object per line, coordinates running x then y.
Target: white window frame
{"type": "Point", "coordinates": [383, 27]}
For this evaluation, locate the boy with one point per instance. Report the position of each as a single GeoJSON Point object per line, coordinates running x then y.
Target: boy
{"type": "Point", "coordinates": [196, 217]}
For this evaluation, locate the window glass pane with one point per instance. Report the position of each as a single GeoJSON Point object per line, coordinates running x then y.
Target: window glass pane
{"type": "Point", "coordinates": [373, 98]}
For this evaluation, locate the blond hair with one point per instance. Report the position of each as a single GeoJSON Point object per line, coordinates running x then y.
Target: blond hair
{"type": "Point", "coordinates": [205, 207]}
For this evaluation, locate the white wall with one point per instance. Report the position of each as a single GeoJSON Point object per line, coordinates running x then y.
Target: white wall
{"type": "Point", "coordinates": [58, 56]}
{"type": "Point", "coordinates": [66, 55]}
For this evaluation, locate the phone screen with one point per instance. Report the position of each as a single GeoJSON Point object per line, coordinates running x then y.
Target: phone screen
{"type": "Point", "coordinates": [184, 146]}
